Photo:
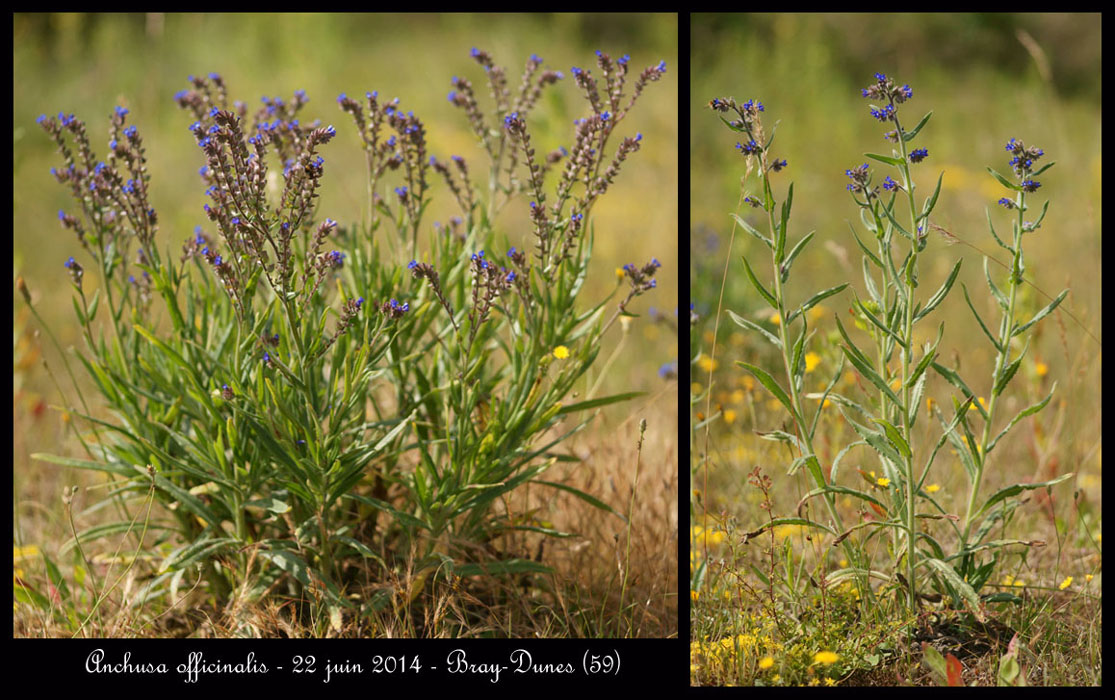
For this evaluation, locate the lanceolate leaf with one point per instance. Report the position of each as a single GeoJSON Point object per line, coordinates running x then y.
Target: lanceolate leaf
{"type": "Point", "coordinates": [1003, 181]}
{"type": "Point", "coordinates": [884, 159]}
{"type": "Point", "coordinates": [1017, 489]}
{"type": "Point", "coordinates": [759, 285]}
{"type": "Point", "coordinates": [1022, 414]}
{"type": "Point", "coordinates": [1041, 314]}
{"type": "Point", "coordinates": [740, 320]}
{"type": "Point", "coordinates": [794, 253]}
{"type": "Point", "coordinates": [909, 135]}
{"type": "Point", "coordinates": [783, 225]}
{"type": "Point", "coordinates": [787, 521]}
{"type": "Point", "coordinates": [753, 231]}
{"type": "Point", "coordinates": [895, 437]}
{"type": "Point", "coordinates": [872, 376]}
{"type": "Point", "coordinates": [816, 299]}
{"type": "Point", "coordinates": [937, 298]}
{"type": "Point", "coordinates": [980, 320]}
{"type": "Point", "coordinates": [772, 386]}
{"type": "Point", "coordinates": [958, 584]}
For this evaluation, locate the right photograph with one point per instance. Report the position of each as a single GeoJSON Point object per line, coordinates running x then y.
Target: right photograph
{"type": "Point", "coordinates": [896, 350]}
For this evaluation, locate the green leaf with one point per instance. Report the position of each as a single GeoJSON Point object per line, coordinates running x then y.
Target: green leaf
{"type": "Point", "coordinates": [773, 387]}
{"type": "Point", "coordinates": [591, 500]}
{"type": "Point", "coordinates": [995, 291]}
{"type": "Point", "coordinates": [1042, 169]}
{"type": "Point", "coordinates": [502, 568]}
{"type": "Point", "coordinates": [290, 563]}
{"type": "Point", "coordinates": [870, 256]}
{"type": "Point", "coordinates": [975, 313]}
{"type": "Point", "coordinates": [595, 403]}
{"type": "Point", "coordinates": [931, 201]}
{"type": "Point", "coordinates": [741, 321]}
{"type": "Point", "coordinates": [1041, 314]}
{"type": "Point", "coordinates": [794, 253]}
{"type": "Point", "coordinates": [753, 231]}
{"type": "Point", "coordinates": [889, 160]}
{"type": "Point", "coordinates": [787, 521]}
{"type": "Point", "coordinates": [1007, 374]}
{"type": "Point", "coordinates": [994, 235]}
{"type": "Point", "coordinates": [816, 299]}
{"type": "Point", "coordinates": [759, 285]}
{"type": "Point", "coordinates": [953, 378]}
{"type": "Point", "coordinates": [909, 135]}
{"type": "Point", "coordinates": [1003, 181]}
{"type": "Point", "coordinates": [937, 298]}
{"type": "Point", "coordinates": [959, 584]}
{"type": "Point", "coordinates": [1015, 490]}
{"type": "Point", "coordinates": [879, 324]}
{"type": "Point", "coordinates": [895, 437]}
{"type": "Point", "coordinates": [783, 225]}
{"type": "Point", "coordinates": [872, 376]}
{"type": "Point", "coordinates": [1023, 414]}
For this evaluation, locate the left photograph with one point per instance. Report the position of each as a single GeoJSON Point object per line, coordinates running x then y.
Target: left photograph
{"type": "Point", "coordinates": [345, 326]}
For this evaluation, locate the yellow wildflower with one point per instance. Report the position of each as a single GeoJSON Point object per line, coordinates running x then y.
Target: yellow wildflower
{"type": "Point", "coordinates": [561, 352]}
{"type": "Point", "coordinates": [933, 488]}
{"type": "Point", "coordinates": [1041, 368]}
{"type": "Point", "coordinates": [883, 482]}
{"type": "Point", "coordinates": [696, 389]}
{"type": "Point", "coordinates": [737, 396]}
{"type": "Point", "coordinates": [817, 313]}
{"type": "Point", "coordinates": [619, 273]}
{"type": "Point", "coordinates": [766, 662]}
{"type": "Point", "coordinates": [707, 363]}
{"type": "Point", "coordinates": [930, 403]}
{"type": "Point", "coordinates": [748, 382]}
{"type": "Point", "coordinates": [896, 385]}
{"type": "Point", "coordinates": [813, 681]}
{"type": "Point", "coordinates": [694, 595]}
{"type": "Point", "coordinates": [830, 681]}
{"type": "Point", "coordinates": [812, 359]}
{"type": "Point", "coordinates": [775, 319]}
{"type": "Point", "coordinates": [1066, 583]}
{"type": "Point", "coordinates": [729, 416]}
{"type": "Point", "coordinates": [825, 657]}
{"type": "Point", "coordinates": [21, 553]}
{"type": "Point", "coordinates": [1088, 577]}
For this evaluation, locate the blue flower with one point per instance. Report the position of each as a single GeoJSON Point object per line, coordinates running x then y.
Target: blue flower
{"type": "Point", "coordinates": [918, 155]}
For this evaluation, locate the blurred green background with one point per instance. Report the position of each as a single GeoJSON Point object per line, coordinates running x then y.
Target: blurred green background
{"type": "Point", "coordinates": [987, 78]}
{"type": "Point", "coordinates": [87, 64]}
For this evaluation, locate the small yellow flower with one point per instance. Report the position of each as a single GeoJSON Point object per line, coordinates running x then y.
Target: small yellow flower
{"type": "Point", "coordinates": [561, 352]}
{"type": "Point", "coordinates": [775, 319]}
{"type": "Point", "coordinates": [737, 396]}
{"type": "Point", "coordinates": [830, 681]}
{"type": "Point", "coordinates": [843, 562]}
{"type": "Point", "coordinates": [748, 382]}
{"type": "Point", "coordinates": [729, 416]}
{"type": "Point", "coordinates": [1066, 583]}
{"type": "Point", "coordinates": [706, 363]}
{"type": "Point", "coordinates": [694, 595]}
{"type": "Point", "coordinates": [1041, 368]}
{"type": "Point", "coordinates": [896, 385]}
{"type": "Point", "coordinates": [983, 402]}
{"type": "Point", "coordinates": [933, 488]}
{"type": "Point", "coordinates": [930, 403]}
{"type": "Point", "coordinates": [825, 657]}
{"type": "Point", "coordinates": [696, 389]}
{"type": "Point", "coordinates": [619, 273]}
{"type": "Point", "coordinates": [777, 678]}
{"type": "Point", "coordinates": [1088, 577]}
{"type": "Point", "coordinates": [766, 662]}
{"type": "Point", "coordinates": [812, 359]}
{"type": "Point", "coordinates": [813, 681]}
{"type": "Point", "coordinates": [883, 482]}
{"type": "Point", "coordinates": [21, 553]}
